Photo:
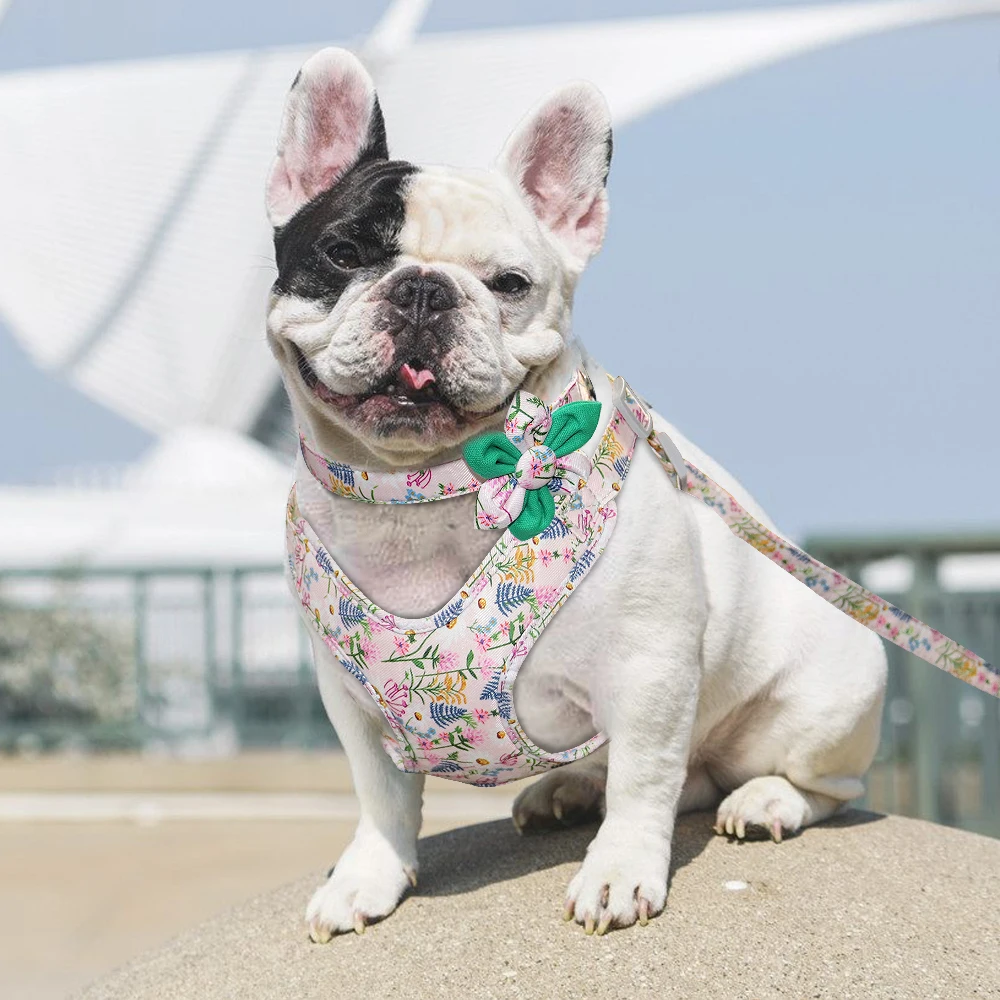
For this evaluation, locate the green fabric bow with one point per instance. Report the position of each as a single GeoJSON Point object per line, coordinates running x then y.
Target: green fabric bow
{"type": "Point", "coordinates": [494, 456]}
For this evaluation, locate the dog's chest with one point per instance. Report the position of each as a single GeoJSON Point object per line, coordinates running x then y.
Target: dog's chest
{"type": "Point", "coordinates": [409, 559]}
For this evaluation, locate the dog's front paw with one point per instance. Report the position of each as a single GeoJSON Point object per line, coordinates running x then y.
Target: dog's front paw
{"type": "Point", "coordinates": [766, 806]}
{"type": "Point", "coordinates": [623, 879]}
{"type": "Point", "coordinates": [366, 885]}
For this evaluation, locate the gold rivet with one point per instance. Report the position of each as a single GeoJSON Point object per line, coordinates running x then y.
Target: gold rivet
{"type": "Point", "coordinates": [500, 734]}
{"type": "Point", "coordinates": [417, 716]}
{"type": "Point", "coordinates": [332, 612]}
{"type": "Point", "coordinates": [482, 760]}
{"type": "Point", "coordinates": [482, 602]}
{"type": "Point", "coordinates": [364, 475]}
{"type": "Point", "coordinates": [464, 594]}
{"type": "Point", "coordinates": [616, 486]}
{"type": "Point", "coordinates": [451, 624]}
{"type": "Point", "coordinates": [536, 539]}
{"type": "Point", "coordinates": [569, 586]}
{"type": "Point", "coordinates": [581, 483]}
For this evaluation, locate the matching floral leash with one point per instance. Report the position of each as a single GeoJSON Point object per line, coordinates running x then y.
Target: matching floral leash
{"type": "Point", "coordinates": [864, 606]}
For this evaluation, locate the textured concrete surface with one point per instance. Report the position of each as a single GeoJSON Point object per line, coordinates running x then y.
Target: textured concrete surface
{"type": "Point", "coordinates": [85, 887]}
{"type": "Point", "coordinates": [79, 899]}
{"type": "Point", "coordinates": [863, 906]}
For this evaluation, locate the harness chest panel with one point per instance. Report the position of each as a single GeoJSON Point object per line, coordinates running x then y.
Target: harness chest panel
{"type": "Point", "coordinates": [444, 682]}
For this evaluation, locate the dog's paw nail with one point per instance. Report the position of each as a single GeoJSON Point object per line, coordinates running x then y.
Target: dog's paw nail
{"type": "Point", "coordinates": [588, 927]}
{"type": "Point", "coordinates": [411, 876]}
{"type": "Point", "coordinates": [776, 831]}
{"type": "Point", "coordinates": [730, 828]}
{"type": "Point", "coordinates": [604, 924]}
{"type": "Point", "coordinates": [319, 934]}
{"type": "Point", "coordinates": [557, 809]}
{"type": "Point", "coordinates": [568, 910]}
{"type": "Point", "coordinates": [643, 912]}
{"type": "Point", "coordinates": [741, 829]}
{"type": "Point", "coordinates": [359, 923]}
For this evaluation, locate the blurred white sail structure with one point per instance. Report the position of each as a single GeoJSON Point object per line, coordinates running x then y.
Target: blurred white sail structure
{"type": "Point", "coordinates": [134, 253]}
{"type": "Point", "coordinates": [201, 497]}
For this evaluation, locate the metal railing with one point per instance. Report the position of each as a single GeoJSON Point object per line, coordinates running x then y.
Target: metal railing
{"type": "Point", "coordinates": [939, 756]}
{"type": "Point", "coordinates": [217, 660]}
{"type": "Point", "coordinates": [194, 658]}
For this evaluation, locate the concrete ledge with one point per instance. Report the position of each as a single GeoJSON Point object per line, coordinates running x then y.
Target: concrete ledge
{"type": "Point", "coordinates": [863, 906]}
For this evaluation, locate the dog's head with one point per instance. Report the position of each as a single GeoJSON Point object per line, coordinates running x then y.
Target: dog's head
{"type": "Point", "coordinates": [411, 302]}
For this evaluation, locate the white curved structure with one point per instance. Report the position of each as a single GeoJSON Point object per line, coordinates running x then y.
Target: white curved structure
{"type": "Point", "coordinates": [134, 254]}
{"type": "Point", "coordinates": [202, 496]}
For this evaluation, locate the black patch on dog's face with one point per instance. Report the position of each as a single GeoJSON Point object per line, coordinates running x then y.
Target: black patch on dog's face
{"type": "Point", "coordinates": [365, 210]}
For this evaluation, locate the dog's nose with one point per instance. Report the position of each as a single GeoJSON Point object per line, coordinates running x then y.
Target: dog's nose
{"type": "Point", "coordinates": [418, 296]}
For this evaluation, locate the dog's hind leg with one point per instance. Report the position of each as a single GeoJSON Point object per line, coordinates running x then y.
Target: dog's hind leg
{"type": "Point", "coordinates": [699, 791]}
{"type": "Point", "coordinates": [380, 863]}
{"type": "Point", "coordinates": [797, 759]}
{"type": "Point", "coordinates": [567, 796]}
{"type": "Point", "coordinates": [771, 805]}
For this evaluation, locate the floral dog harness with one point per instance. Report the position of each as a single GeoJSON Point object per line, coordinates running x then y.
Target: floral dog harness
{"type": "Point", "coordinates": [444, 682]}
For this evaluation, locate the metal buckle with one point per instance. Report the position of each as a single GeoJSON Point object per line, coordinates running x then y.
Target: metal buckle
{"type": "Point", "coordinates": [586, 384]}
{"type": "Point", "coordinates": [627, 402]}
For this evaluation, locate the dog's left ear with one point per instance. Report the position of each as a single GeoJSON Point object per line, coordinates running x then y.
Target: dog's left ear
{"type": "Point", "coordinates": [332, 121]}
{"type": "Point", "coordinates": [559, 158]}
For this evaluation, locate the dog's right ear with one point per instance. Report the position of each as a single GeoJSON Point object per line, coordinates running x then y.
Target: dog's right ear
{"type": "Point", "coordinates": [332, 121]}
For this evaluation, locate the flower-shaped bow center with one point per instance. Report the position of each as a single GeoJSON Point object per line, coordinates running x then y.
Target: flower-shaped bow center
{"type": "Point", "coordinates": [516, 467]}
{"type": "Point", "coordinates": [536, 467]}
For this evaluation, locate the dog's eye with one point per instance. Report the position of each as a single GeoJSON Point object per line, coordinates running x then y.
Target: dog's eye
{"type": "Point", "coordinates": [510, 283]}
{"type": "Point", "coordinates": [342, 254]}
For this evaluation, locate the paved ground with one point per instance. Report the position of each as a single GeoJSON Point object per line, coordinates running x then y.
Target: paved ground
{"type": "Point", "coordinates": [864, 906]}
{"type": "Point", "coordinates": [104, 858]}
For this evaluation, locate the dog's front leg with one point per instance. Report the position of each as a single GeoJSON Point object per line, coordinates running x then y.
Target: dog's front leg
{"type": "Point", "coordinates": [381, 861]}
{"type": "Point", "coordinates": [651, 700]}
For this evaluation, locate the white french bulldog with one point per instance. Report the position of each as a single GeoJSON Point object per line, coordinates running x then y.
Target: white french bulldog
{"type": "Point", "coordinates": [410, 303]}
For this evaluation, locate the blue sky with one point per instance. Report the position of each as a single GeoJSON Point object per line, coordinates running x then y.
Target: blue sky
{"type": "Point", "coordinates": [801, 270]}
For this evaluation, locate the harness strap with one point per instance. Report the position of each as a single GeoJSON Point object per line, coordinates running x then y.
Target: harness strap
{"type": "Point", "coordinates": [859, 603]}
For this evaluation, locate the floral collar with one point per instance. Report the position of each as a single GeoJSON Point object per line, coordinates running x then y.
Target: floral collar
{"type": "Point", "coordinates": [515, 472]}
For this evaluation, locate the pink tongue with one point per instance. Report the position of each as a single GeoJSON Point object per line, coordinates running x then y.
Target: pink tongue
{"type": "Point", "coordinates": [415, 379]}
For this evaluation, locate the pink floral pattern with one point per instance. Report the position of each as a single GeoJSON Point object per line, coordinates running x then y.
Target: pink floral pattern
{"type": "Point", "coordinates": [444, 682]}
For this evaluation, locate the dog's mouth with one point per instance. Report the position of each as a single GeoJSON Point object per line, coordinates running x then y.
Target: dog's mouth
{"type": "Point", "coordinates": [409, 386]}
{"type": "Point", "coordinates": [409, 395]}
